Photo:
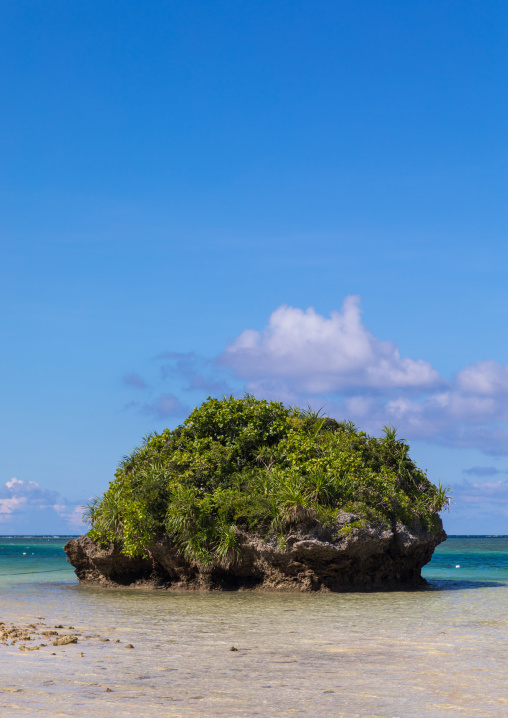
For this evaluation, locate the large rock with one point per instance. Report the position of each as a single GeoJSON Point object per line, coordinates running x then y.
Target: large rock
{"type": "Point", "coordinates": [353, 559]}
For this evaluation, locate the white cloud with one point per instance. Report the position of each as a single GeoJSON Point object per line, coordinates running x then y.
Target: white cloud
{"type": "Point", "coordinates": [444, 417]}
{"type": "Point", "coordinates": [71, 514]}
{"type": "Point", "coordinates": [28, 489]}
{"type": "Point", "coordinates": [305, 357]}
{"type": "Point", "coordinates": [484, 379]}
{"type": "Point", "coordinates": [25, 502]}
{"type": "Point", "coordinates": [308, 352]}
{"type": "Point", "coordinates": [472, 411]}
{"type": "Point", "coordinates": [8, 506]}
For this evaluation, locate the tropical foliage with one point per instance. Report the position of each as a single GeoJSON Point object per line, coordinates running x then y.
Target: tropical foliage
{"type": "Point", "coordinates": [258, 466]}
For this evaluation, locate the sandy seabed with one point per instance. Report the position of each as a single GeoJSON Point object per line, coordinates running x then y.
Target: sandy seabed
{"type": "Point", "coordinates": [430, 653]}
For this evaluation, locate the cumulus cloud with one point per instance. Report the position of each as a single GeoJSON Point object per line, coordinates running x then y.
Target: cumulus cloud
{"type": "Point", "coordinates": [485, 379]}
{"type": "Point", "coordinates": [303, 356]}
{"type": "Point", "coordinates": [25, 503]}
{"type": "Point", "coordinates": [22, 492]}
{"type": "Point", "coordinates": [446, 417]}
{"type": "Point", "coordinates": [72, 514]}
{"type": "Point", "coordinates": [306, 351]}
{"type": "Point", "coordinates": [471, 412]}
{"type": "Point", "coordinates": [9, 506]}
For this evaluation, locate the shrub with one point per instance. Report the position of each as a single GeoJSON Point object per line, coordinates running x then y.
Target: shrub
{"type": "Point", "coordinates": [257, 466]}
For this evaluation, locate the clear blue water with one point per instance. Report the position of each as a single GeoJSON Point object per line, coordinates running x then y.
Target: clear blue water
{"type": "Point", "coordinates": [464, 559]}
{"type": "Point", "coordinates": [33, 556]}
{"type": "Point", "coordinates": [439, 652]}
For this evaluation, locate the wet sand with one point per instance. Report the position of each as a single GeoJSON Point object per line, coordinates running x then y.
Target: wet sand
{"type": "Point", "coordinates": [436, 653]}
{"type": "Point", "coordinates": [408, 656]}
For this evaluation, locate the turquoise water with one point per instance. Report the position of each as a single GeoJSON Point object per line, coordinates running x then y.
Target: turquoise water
{"type": "Point", "coordinates": [33, 556]}
{"type": "Point", "coordinates": [460, 560]}
{"type": "Point", "coordinates": [439, 652]}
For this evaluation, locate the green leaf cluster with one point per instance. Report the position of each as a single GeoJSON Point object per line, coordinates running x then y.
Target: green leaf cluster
{"type": "Point", "coordinates": [251, 465]}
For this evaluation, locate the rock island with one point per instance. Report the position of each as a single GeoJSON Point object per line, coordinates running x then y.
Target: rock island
{"type": "Point", "coordinates": [252, 495]}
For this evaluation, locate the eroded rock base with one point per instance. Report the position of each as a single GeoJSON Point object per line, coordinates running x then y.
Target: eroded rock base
{"type": "Point", "coordinates": [373, 558]}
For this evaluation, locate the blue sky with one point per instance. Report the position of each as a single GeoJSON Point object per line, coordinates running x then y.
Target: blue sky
{"type": "Point", "coordinates": [306, 200]}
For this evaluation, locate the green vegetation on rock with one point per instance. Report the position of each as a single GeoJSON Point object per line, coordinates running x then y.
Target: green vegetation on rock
{"type": "Point", "coordinates": [250, 465]}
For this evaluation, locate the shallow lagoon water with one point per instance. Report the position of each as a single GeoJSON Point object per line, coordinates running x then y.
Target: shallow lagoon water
{"type": "Point", "coordinates": [410, 654]}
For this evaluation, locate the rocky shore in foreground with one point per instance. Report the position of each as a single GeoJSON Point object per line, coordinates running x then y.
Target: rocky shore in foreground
{"type": "Point", "coordinates": [37, 635]}
{"type": "Point", "coordinates": [333, 559]}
